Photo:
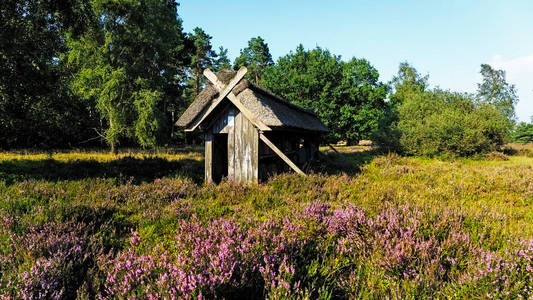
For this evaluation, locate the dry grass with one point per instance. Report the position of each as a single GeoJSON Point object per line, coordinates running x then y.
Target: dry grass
{"type": "Point", "coordinates": [101, 155]}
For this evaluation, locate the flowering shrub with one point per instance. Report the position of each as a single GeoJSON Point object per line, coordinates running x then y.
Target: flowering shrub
{"type": "Point", "coordinates": [55, 257]}
{"type": "Point", "coordinates": [503, 277]}
{"type": "Point", "coordinates": [402, 228]}
{"type": "Point", "coordinates": [223, 258]}
{"type": "Point", "coordinates": [274, 258]}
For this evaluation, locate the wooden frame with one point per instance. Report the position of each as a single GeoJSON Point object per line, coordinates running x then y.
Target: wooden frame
{"type": "Point", "coordinates": [242, 138]}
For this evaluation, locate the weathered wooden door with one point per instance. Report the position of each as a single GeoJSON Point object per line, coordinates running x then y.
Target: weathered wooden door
{"type": "Point", "coordinates": [241, 138]}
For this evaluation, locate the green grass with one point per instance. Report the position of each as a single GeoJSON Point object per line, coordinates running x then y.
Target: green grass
{"type": "Point", "coordinates": [499, 193]}
{"type": "Point", "coordinates": [153, 192]}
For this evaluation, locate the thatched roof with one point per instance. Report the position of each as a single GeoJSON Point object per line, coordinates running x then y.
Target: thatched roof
{"type": "Point", "coordinates": [271, 109]}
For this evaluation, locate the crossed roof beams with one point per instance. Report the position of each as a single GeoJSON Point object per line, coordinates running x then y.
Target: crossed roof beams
{"type": "Point", "coordinates": [226, 91]}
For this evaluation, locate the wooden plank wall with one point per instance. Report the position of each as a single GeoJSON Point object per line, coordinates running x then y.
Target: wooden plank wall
{"type": "Point", "coordinates": [243, 147]}
{"type": "Point", "coordinates": [243, 150]}
{"type": "Point", "coordinates": [238, 148]}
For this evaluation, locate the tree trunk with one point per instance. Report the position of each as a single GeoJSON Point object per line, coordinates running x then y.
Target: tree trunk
{"type": "Point", "coordinates": [197, 81]}
{"type": "Point", "coordinates": [172, 125]}
{"type": "Point", "coordinates": [114, 149]}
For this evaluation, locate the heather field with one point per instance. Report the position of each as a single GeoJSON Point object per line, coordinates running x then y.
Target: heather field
{"type": "Point", "coordinates": [365, 225]}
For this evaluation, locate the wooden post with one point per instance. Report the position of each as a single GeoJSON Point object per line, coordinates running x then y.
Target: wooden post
{"type": "Point", "coordinates": [253, 139]}
{"type": "Point", "coordinates": [238, 148]}
{"type": "Point", "coordinates": [209, 157]}
{"type": "Point", "coordinates": [231, 151]}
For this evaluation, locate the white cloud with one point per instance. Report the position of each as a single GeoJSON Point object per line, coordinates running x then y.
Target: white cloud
{"type": "Point", "coordinates": [519, 72]}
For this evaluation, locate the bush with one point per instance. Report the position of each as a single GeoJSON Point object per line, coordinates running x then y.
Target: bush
{"type": "Point", "coordinates": [55, 258]}
{"type": "Point", "coordinates": [318, 252]}
{"type": "Point", "coordinates": [523, 133]}
{"type": "Point", "coordinates": [496, 156]}
{"type": "Point", "coordinates": [442, 123]}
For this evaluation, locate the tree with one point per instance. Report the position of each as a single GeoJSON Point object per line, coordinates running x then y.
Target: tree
{"type": "Point", "coordinates": [362, 100]}
{"type": "Point", "coordinates": [495, 90]}
{"type": "Point", "coordinates": [222, 61]}
{"type": "Point", "coordinates": [347, 96]}
{"type": "Point", "coordinates": [203, 57]}
{"type": "Point", "coordinates": [309, 79]}
{"type": "Point", "coordinates": [35, 107]}
{"type": "Point", "coordinates": [256, 57]}
{"type": "Point", "coordinates": [523, 132]}
{"type": "Point", "coordinates": [436, 123]}
{"type": "Point", "coordinates": [131, 65]}
{"type": "Point", "coordinates": [407, 81]}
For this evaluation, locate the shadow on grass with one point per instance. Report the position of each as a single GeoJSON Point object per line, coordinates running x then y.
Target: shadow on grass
{"type": "Point", "coordinates": [332, 163]}
{"type": "Point", "coordinates": [123, 169]}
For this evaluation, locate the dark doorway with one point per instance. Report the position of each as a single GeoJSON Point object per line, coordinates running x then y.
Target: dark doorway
{"type": "Point", "coordinates": [220, 156]}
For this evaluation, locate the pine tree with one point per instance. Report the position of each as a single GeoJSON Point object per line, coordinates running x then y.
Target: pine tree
{"type": "Point", "coordinates": [256, 57]}
{"type": "Point", "coordinates": [203, 57]}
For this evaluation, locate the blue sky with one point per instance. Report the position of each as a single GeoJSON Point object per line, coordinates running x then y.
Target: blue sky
{"type": "Point", "coordinates": [446, 39]}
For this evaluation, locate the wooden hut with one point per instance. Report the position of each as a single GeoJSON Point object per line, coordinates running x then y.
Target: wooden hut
{"type": "Point", "coordinates": [250, 133]}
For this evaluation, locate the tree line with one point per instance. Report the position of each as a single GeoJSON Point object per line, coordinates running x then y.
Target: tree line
{"type": "Point", "coordinates": [80, 73]}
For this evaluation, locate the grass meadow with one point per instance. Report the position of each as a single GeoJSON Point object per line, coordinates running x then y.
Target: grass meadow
{"type": "Point", "coordinates": [87, 224]}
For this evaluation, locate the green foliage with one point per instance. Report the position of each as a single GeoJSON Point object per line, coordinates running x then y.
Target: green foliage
{"type": "Point", "coordinates": [406, 82]}
{"type": "Point", "coordinates": [361, 101]}
{"type": "Point", "coordinates": [308, 79]}
{"type": "Point", "coordinates": [495, 90]}
{"type": "Point", "coordinates": [222, 61]}
{"type": "Point", "coordinates": [149, 122]}
{"type": "Point", "coordinates": [203, 57]}
{"type": "Point", "coordinates": [347, 96]}
{"type": "Point", "coordinates": [256, 57]}
{"type": "Point", "coordinates": [441, 123]}
{"type": "Point", "coordinates": [523, 132]}
{"type": "Point", "coordinates": [36, 108]}
{"type": "Point", "coordinates": [445, 123]}
{"type": "Point", "coordinates": [125, 70]}
{"type": "Point", "coordinates": [129, 65]}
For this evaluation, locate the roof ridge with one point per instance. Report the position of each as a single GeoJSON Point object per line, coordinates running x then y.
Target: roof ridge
{"type": "Point", "coordinates": [279, 98]}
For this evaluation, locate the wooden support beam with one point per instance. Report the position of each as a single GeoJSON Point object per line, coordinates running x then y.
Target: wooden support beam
{"type": "Point", "coordinates": [214, 80]}
{"type": "Point", "coordinates": [281, 154]}
{"type": "Point", "coordinates": [336, 151]}
{"type": "Point", "coordinates": [249, 115]}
